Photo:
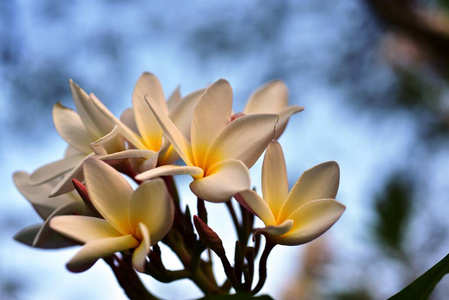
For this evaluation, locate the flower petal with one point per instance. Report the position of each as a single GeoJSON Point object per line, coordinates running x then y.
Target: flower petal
{"type": "Point", "coordinates": [170, 170]}
{"type": "Point", "coordinates": [139, 258]}
{"type": "Point", "coordinates": [152, 206]}
{"type": "Point", "coordinates": [211, 115]}
{"type": "Point", "coordinates": [176, 138]}
{"type": "Point", "coordinates": [109, 192]}
{"type": "Point", "coordinates": [149, 128]}
{"type": "Point", "coordinates": [56, 241]}
{"type": "Point", "coordinates": [70, 127]}
{"type": "Point", "coordinates": [319, 182]}
{"type": "Point", "coordinates": [312, 220]}
{"type": "Point", "coordinates": [174, 99]}
{"type": "Point", "coordinates": [276, 231]}
{"type": "Point", "coordinates": [45, 234]}
{"type": "Point", "coordinates": [82, 228]}
{"type": "Point", "coordinates": [94, 250]}
{"type": "Point", "coordinates": [284, 116]}
{"type": "Point", "coordinates": [130, 135]}
{"type": "Point", "coordinates": [274, 178]}
{"type": "Point", "coordinates": [94, 121]}
{"type": "Point", "coordinates": [259, 207]}
{"type": "Point", "coordinates": [223, 180]}
{"type": "Point", "coordinates": [269, 98]}
{"type": "Point", "coordinates": [65, 184]}
{"type": "Point", "coordinates": [38, 195]}
{"type": "Point", "coordinates": [54, 169]}
{"type": "Point", "coordinates": [243, 139]}
{"type": "Point", "coordinates": [110, 143]}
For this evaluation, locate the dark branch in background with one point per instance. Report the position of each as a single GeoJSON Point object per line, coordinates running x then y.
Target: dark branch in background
{"type": "Point", "coordinates": [403, 17]}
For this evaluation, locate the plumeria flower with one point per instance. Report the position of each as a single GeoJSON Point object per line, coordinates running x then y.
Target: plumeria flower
{"type": "Point", "coordinates": [272, 98]}
{"type": "Point", "coordinates": [132, 219]}
{"type": "Point", "coordinates": [140, 127]}
{"type": "Point", "coordinates": [88, 132]}
{"type": "Point", "coordinates": [41, 235]}
{"type": "Point", "coordinates": [304, 213]}
{"type": "Point", "coordinates": [219, 151]}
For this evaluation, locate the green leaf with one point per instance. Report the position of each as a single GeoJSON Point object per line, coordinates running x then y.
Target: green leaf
{"type": "Point", "coordinates": [238, 296]}
{"type": "Point", "coordinates": [424, 285]}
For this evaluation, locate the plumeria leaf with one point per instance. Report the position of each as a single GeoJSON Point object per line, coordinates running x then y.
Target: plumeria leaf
{"type": "Point", "coordinates": [423, 286]}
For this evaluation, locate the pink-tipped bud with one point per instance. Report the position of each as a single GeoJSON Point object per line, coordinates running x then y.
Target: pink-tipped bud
{"type": "Point", "coordinates": [208, 236]}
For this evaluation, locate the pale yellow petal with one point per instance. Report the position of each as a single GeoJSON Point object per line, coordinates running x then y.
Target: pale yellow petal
{"type": "Point", "coordinates": [276, 231]}
{"type": "Point", "coordinates": [210, 116]}
{"type": "Point", "coordinates": [110, 143]}
{"type": "Point", "coordinates": [54, 169]}
{"type": "Point", "coordinates": [259, 207]}
{"type": "Point", "coordinates": [45, 233]}
{"type": "Point", "coordinates": [69, 126]}
{"type": "Point", "coordinates": [174, 98]}
{"type": "Point", "coordinates": [127, 118]}
{"type": "Point", "coordinates": [82, 228]}
{"type": "Point", "coordinates": [170, 170]}
{"type": "Point", "coordinates": [65, 185]}
{"type": "Point", "coordinates": [139, 258]}
{"type": "Point", "coordinates": [274, 178]}
{"type": "Point", "coordinates": [130, 135]}
{"type": "Point", "coordinates": [269, 98]}
{"type": "Point", "coordinates": [149, 128]}
{"type": "Point", "coordinates": [223, 180]}
{"type": "Point", "coordinates": [94, 121]}
{"type": "Point", "coordinates": [243, 139]}
{"type": "Point", "coordinates": [312, 220]}
{"type": "Point", "coordinates": [109, 193]}
{"type": "Point", "coordinates": [27, 236]}
{"type": "Point", "coordinates": [319, 182]}
{"type": "Point", "coordinates": [151, 205]}
{"type": "Point", "coordinates": [182, 113]}
{"type": "Point", "coordinates": [172, 133]}
{"type": "Point", "coordinates": [38, 196]}
{"type": "Point", "coordinates": [284, 116]}
{"type": "Point", "coordinates": [94, 250]}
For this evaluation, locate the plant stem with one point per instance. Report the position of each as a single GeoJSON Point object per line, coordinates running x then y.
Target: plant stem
{"type": "Point", "coordinates": [263, 266]}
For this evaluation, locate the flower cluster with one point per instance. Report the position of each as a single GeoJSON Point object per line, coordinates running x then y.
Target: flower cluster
{"type": "Point", "coordinates": [84, 198]}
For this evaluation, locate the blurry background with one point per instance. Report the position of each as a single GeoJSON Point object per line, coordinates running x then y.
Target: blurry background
{"type": "Point", "coordinates": [372, 75]}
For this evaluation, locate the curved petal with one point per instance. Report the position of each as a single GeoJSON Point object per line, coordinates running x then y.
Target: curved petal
{"type": "Point", "coordinates": [56, 241]}
{"type": "Point", "coordinates": [65, 184]}
{"type": "Point", "coordinates": [243, 139]}
{"type": "Point", "coordinates": [94, 121]}
{"type": "Point", "coordinates": [130, 135]}
{"type": "Point", "coordinates": [152, 206]}
{"type": "Point", "coordinates": [176, 138]}
{"type": "Point", "coordinates": [276, 231]}
{"type": "Point", "coordinates": [210, 116]}
{"type": "Point", "coordinates": [149, 128]}
{"type": "Point", "coordinates": [82, 228]}
{"type": "Point", "coordinates": [259, 207]}
{"type": "Point", "coordinates": [174, 98]}
{"type": "Point", "coordinates": [312, 220]}
{"type": "Point", "coordinates": [70, 127]}
{"type": "Point", "coordinates": [274, 178]}
{"type": "Point", "coordinates": [170, 170]}
{"type": "Point", "coordinates": [269, 98]}
{"type": "Point", "coordinates": [140, 254]}
{"type": "Point", "coordinates": [284, 116]}
{"type": "Point", "coordinates": [109, 192]}
{"type": "Point", "coordinates": [38, 195]}
{"type": "Point", "coordinates": [319, 182]}
{"type": "Point", "coordinates": [54, 169]}
{"type": "Point", "coordinates": [110, 143]}
{"type": "Point", "coordinates": [127, 117]}
{"type": "Point", "coordinates": [45, 234]}
{"type": "Point", "coordinates": [223, 180]}
{"type": "Point", "coordinates": [94, 250]}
